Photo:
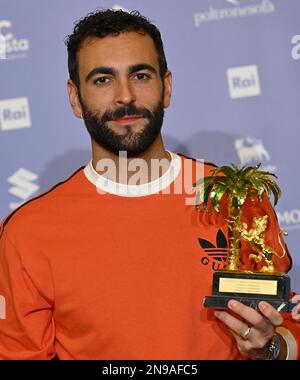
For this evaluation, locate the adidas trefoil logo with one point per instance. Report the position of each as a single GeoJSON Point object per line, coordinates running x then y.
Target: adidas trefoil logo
{"type": "Point", "coordinates": [216, 254]}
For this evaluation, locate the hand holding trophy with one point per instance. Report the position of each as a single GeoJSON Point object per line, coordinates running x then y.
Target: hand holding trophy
{"type": "Point", "coordinates": [245, 286]}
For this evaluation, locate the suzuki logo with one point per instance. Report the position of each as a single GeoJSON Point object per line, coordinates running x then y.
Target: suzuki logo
{"type": "Point", "coordinates": [23, 187]}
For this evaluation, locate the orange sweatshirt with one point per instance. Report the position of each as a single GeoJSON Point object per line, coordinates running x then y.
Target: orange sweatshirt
{"type": "Point", "coordinates": [91, 275]}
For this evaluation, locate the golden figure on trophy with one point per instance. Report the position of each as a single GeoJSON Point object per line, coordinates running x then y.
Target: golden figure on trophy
{"type": "Point", "coordinates": [246, 286]}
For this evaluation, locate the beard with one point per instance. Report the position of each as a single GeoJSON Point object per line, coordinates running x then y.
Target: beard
{"type": "Point", "coordinates": [134, 143]}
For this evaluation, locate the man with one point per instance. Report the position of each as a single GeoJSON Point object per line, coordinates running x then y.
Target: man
{"type": "Point", "coordinates": [108, 266]}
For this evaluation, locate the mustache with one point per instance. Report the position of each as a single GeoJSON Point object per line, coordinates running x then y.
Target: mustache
{"type": "Point", "coordinates": [126, 111]}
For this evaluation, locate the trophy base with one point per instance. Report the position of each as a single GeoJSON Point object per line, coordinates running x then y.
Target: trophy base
{"type": "Point", "coordinates": [221, 302]}
{"type": "Point", "coordinates": [250, 288]}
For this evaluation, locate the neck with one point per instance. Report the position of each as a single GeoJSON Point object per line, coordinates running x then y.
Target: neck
{"type": "Point", "coordinates": [146, 167]}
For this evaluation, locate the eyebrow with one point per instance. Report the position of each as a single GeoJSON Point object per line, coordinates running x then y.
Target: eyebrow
{"type": "Point", "coordinates": [111, 71]}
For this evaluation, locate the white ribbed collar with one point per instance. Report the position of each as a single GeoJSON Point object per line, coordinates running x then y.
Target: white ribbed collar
{"type": "Point", "coordinates": [107, 186]}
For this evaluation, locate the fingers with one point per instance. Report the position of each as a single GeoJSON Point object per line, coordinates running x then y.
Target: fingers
{"type": "Point", "coordinates": [248, 313]}
{"type": "Point", "coordinates": [270, 313]}
{"type": "Point", "coordinates": [235, 325]}
{"type": "Point", "coordinates": [254, 343]}
{"type": "Point", "coordinates": [253, 349]}
{"type": "Point", "coordinates": [267, 312]}
{"type": "Point", "coordinates": [255, 331]}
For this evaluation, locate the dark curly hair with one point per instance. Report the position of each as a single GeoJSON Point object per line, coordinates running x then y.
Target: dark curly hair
{"type": "Point", "coordinates": [103, 23]}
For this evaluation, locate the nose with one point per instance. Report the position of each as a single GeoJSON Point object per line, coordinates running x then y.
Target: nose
{"type": "Point", "coordinates": [124, 93]}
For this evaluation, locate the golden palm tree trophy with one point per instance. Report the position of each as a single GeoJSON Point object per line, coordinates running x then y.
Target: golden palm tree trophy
{"type": "Point", "coordinates": [247, 286]}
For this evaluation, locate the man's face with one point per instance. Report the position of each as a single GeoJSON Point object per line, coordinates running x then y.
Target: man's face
{"type": "Point", "coordinates": [122, 97]}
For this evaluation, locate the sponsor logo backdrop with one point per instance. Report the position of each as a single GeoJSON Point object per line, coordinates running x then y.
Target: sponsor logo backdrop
{"type": "Point", "coordinates": [236, 67]}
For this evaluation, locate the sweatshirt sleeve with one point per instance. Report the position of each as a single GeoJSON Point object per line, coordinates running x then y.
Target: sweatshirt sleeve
{"type": "Point", "coordinates": [290, 330]}
{"type": "Point", "coordinates": [27, 329]}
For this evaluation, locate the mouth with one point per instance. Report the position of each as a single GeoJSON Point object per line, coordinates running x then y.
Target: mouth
{"type": "Point", "coordinates": [128, 119]}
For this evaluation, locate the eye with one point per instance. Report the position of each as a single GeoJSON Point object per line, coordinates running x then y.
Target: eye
{"type": "Point", "coordinates": [101, 80]}
{"type": "Point", "coordinates": [141, 76]}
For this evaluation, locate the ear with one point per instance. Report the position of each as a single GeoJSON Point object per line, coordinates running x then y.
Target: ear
{"type": "Point", "coordinates": [74, 99]}
{"type": "Point", "coordinates": [168, 89]}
